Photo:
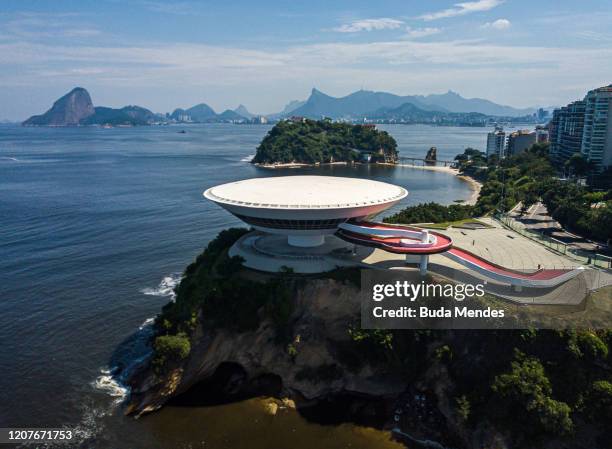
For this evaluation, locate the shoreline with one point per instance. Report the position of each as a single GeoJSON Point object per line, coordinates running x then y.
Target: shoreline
{"type": "Point", "coordinates": [296, 165]}
{"type": "Point", "coordinates": [474, 185]}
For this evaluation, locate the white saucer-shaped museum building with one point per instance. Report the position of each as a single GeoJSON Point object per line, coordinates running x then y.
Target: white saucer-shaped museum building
{"type": "Point", "coordinates": [304, 208]}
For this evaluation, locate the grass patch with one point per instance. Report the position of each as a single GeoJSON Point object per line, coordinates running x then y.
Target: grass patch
{"type": "Point", "coordinates": [454, 224]}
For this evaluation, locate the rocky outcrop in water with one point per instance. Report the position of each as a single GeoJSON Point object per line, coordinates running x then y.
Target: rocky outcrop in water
{"type": "Point", "coordinates": [432, 155]}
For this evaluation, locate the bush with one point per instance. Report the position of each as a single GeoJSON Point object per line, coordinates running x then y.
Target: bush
{"type": "Point", "coordinates": [169, 351]}
{"type": "Point", "coordinates": [462, 408]}
{"type": "Point", "coordinates": [600, 400]}
{"type": "Point", "coordinates": [431, 213]}
{"type": "Point", "coordinates": [587, 344]}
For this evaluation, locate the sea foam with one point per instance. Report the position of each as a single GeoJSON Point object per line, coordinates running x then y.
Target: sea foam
{"type": "Point", "coordinates": [110, 385]}
{"type": "Point", "coordinates": [165, 287]}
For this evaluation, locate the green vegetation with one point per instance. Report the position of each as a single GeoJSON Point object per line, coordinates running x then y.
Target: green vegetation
{"type": "Point", "coordinates": [456, 224]}
{"type": "Point", "coordinates": [169, 351]}
{"type": "Point", "coordinates": [432, 213]}
{"type": "Point", "coordinates": [212, 291]}
{"type": "Point", "coordinates": [323, 141]}
{"type": "Point", "coordinates": [462, 408]}
{"type": "Point", "coordinates": [538, 385]}
{"type": "Point", "coordinates": [527, 389]}
{"type": "Point", "coordinates": [577, 209]}
{"type": "Point", "coordinates": [527, 177]}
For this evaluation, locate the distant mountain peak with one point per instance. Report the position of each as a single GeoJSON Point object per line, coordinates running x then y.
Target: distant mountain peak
{"type": "Point", "coordinates": [317, 93]}
{"type": "Point", "coordinates": [68, 110]}
{"type": "Point", "coordinates": [363, 102]}
{"type": "Point", "coordinates": [243, 111]}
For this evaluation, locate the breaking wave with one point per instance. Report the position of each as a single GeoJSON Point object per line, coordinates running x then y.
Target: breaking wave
{"type": "Point", "coordinates": [130, 354]}
{"type": "Point", "coordinates": [165, 287]}
{"type": "Point", "coordinates": [111, 385]}
{"type": "Point", "coordinates": [248, 158]}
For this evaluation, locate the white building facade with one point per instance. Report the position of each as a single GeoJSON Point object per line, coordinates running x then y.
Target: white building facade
{"type": "Point", "coordinates": [496, 142]}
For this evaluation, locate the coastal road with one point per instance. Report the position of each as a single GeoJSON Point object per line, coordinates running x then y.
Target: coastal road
{"type": "Point", "coordinates": [537, 219]}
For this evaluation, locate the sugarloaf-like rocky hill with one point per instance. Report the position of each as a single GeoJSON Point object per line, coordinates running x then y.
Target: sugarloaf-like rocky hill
{"type": "Point", "coordinates": [76, 109]}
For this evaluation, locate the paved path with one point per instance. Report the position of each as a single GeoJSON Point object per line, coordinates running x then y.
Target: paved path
{"type": "Point", "coordinates": [537, 219]}
{"type": "Point", "coordinates": [506, 248]}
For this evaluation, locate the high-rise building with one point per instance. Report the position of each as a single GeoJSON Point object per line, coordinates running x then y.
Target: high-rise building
{"type": "Point", "coordinates": [541, 115]}
{"type": "Point", "coordinates": [565, 131]}
{"type": "Point", "coordinates": [541, 132]}
{"type": "Point", "coordinates": [596, 144]}
{"type": "Point", "coordinates": [519, 141]}
{"type": "Point", "coordinates": [495, 142]}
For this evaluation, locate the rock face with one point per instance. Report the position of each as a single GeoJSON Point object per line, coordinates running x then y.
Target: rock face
{"type": "Point", "coordinates": [69, 110]}
{"type": "Point", "coordinates": [431, 155]}
{"type": "Point", "coordinates": [310, 370]}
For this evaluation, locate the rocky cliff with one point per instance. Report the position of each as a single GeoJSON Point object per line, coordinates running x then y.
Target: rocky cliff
{"type": "Point", "coordinates": [308, 366]}
{"type": "Point", "coordinates": [243, 334]}
{"type": "Point", "coordinates": [69, 110]}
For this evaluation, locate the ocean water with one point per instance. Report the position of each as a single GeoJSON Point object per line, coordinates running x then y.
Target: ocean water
{"type": "Point", "coordinates": [96, 227]}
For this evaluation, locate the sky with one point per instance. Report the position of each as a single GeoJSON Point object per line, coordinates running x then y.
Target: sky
{"type": "Point", "coordinates": [263, 54]}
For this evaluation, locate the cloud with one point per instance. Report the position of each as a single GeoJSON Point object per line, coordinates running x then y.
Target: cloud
{"type": "Point", "coordinates": [370, 25]}
{"type": "Point", "coordinates": [263, 77]}
{"type": "Point", "coordinates": [32, 26]}
{"type": "Point", "coordinates": [421, 32]}
{"type": "Point", "coordinates": [460, 9]}
{"type": "Point", "coordinates": [593, 36]}
{"type": "Point", "coordinates": [499, 24]}
{"type": "Point", "coordinates": [175, 8]}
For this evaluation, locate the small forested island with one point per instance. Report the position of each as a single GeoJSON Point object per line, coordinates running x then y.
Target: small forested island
{"type": "Point", "coordinates": [305, 141]}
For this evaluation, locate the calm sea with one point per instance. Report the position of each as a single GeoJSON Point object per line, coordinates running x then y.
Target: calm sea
{"type": "Point", "coordinates": [96, 225]}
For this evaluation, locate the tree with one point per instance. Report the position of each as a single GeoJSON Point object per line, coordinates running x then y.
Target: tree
{"type": "Point", "coordinates": [528, 389]}
{"type": "Point", "coordinates": [577, 165]}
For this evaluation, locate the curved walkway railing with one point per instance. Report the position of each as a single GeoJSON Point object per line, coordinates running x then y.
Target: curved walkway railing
{"type": "Point", "coordinates": [392, 238]}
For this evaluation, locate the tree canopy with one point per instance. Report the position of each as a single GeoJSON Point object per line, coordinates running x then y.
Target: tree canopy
{"type": "Point", "coordinates": [310, 141]}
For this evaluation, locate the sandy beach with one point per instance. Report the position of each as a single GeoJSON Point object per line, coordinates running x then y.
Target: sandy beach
{"type": "Point", "coordinates": [474, 185]}
{"type": "Point", "coordinates": [452, 171]}
{"type": "Point", "coordinates": [297, 165]}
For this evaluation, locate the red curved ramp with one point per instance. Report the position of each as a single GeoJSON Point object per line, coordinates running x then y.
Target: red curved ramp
{"type": "Point", "coordinates": [538, 278]}
{"type": "Point", "coordinates": [394, 238]}
{"type": "Point", "coordinates": [400, 239]}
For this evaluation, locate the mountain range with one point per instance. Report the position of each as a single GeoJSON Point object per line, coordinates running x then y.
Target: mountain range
{"type": "Point", "coordinates": [76, 108]}
{"type": "Point", "coordinates": [202, 113]}
{"type": "Point", "coordinates": [365, 103]}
